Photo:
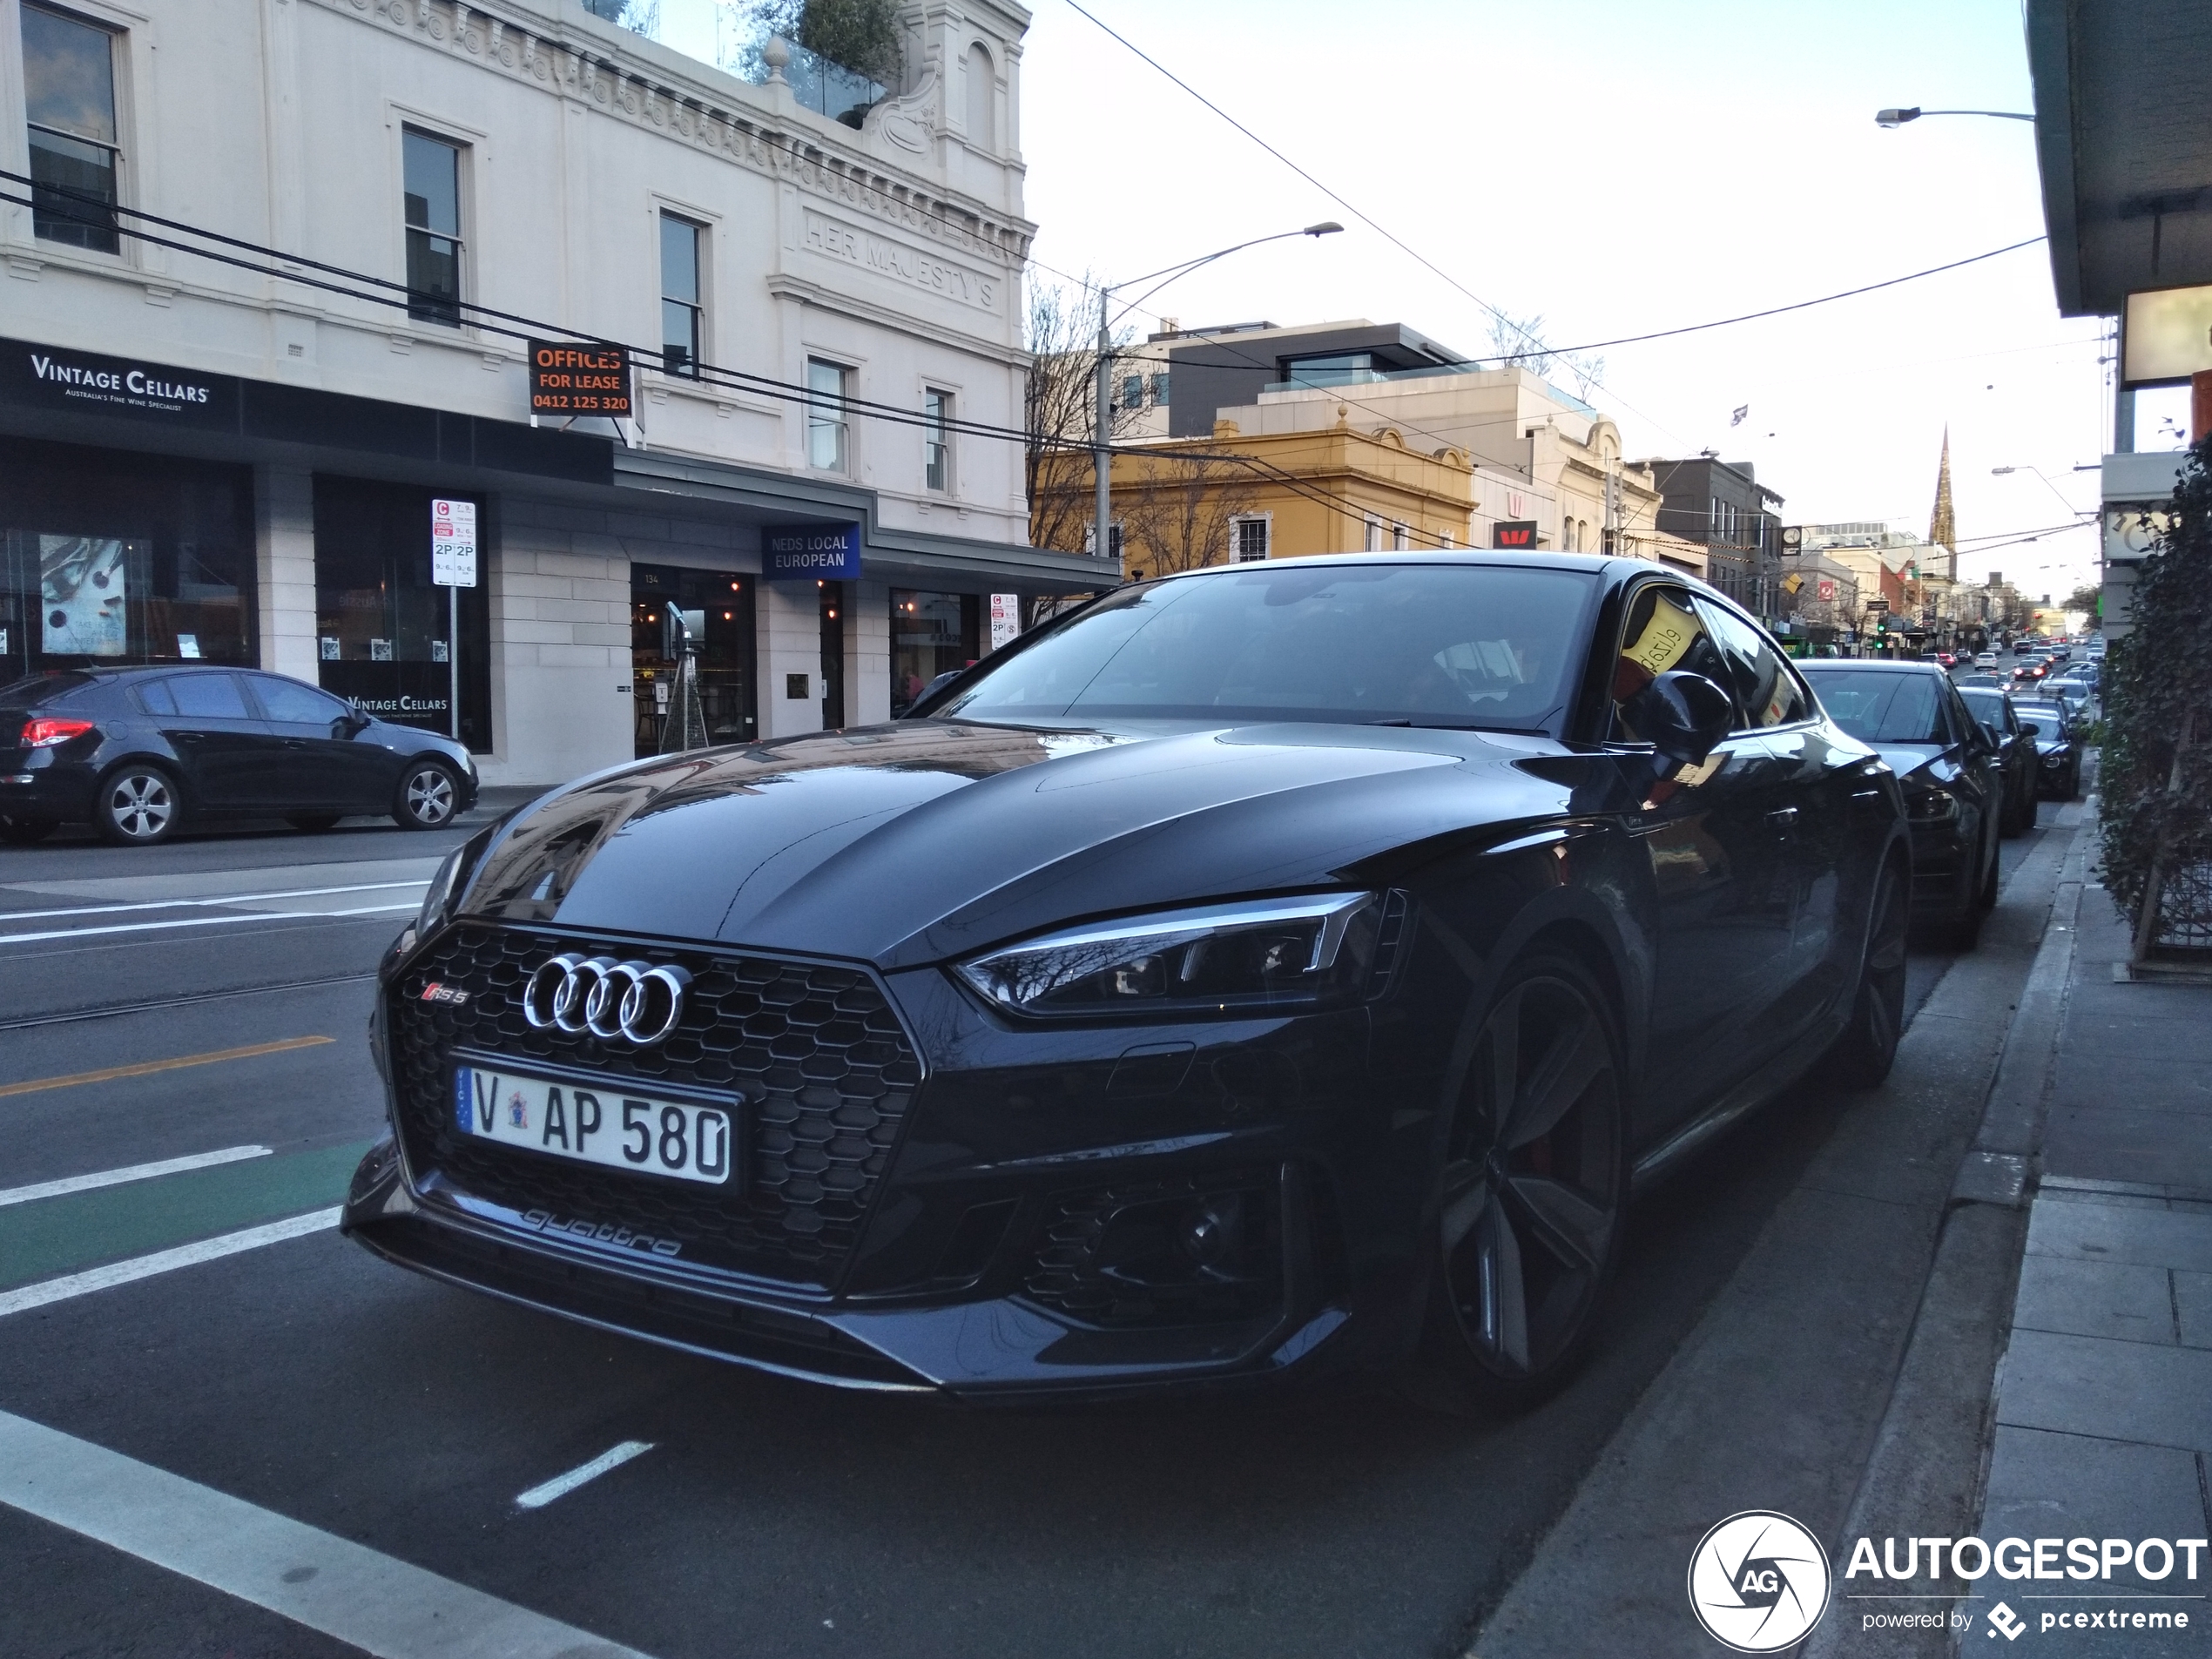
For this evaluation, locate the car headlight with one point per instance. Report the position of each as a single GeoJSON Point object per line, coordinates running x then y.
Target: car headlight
{"type": "Point", "coordinates": [1265, 955]}
{"type": "Point", "coordinates": [446, 886]}
{"type": "Point", "coordinates": [1932, 805]}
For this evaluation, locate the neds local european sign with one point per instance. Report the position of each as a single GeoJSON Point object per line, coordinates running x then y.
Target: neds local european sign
{"type": "Point", "coordinates": [825, 552]}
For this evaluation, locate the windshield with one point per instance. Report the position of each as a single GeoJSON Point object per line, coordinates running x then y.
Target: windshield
{"type": "Point", "coordinates": [2050, 715]}
{"type": "Point", "coordinates": [1876, 706]}
{"type": "Point", "coordinates": [1434, 646]}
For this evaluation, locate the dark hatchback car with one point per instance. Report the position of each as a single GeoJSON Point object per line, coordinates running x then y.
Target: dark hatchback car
{"type": "Point", "coordinates": [137, 751]}
{"type": "Point", "coordinates": [2000, 722]}
{"type": "Point", "coordinates": [1954, 791]}
{"type": "Point", "coordinates": [2058, 744]}
{"type": "Point", "coordinates": [1257, 973]}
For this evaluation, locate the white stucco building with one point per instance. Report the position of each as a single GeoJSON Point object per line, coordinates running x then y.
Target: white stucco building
{"type": "Point", "coordinates": [415, 189]}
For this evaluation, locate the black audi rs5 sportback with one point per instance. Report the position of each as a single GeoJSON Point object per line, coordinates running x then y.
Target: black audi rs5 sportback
{"type": "Point", "coordinates": [1259, 973]}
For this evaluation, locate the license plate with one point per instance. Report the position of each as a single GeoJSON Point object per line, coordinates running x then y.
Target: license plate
{"type": "Point", "coordinates": [590, 1124]}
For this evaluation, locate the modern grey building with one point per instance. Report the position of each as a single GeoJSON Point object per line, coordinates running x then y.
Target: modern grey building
{"type": "Point", "coordinates": [1722, 505]}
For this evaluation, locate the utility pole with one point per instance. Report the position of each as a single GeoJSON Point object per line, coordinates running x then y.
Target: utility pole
{"type": "Point", "coordinates": [1102, 547]}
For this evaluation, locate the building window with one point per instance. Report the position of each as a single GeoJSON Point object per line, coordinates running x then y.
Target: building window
{"type": "Point", "coordinates": [936, 440]}
{"type": "Point", "coordinates": [982, 96]}
{"type": "Point", "coordinates": [1248, 539]}
{"type": "Point", "coordinates": [682, 305]}
{"type": "Point", "coordinates": [1159, 389]}
{"type": "Point", "coordinates": [432, 169]}
{"type": "Point", "coordinates": [69, 93]}
{"type": "Point", "coordinates": [1133, 391]}
{"type": "Point", "coordinates": [1374, 536]}
{"type": "Point", "coordinates": [825, 445]}
{"type": "Point", "coordinates": [1400, 538]}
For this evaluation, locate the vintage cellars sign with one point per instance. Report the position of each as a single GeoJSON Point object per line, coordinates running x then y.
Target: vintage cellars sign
{"type": "Point", "coordinates": [49, 377]}
{"type": "Point", "coordinates": [579, 379]}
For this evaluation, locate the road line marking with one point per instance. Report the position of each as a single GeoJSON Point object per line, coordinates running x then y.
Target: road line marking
{"type": "Point", "coordinates": [345, 1591]}
{"type": "Point", "coordinates": [367, 910]}
{"type": "Point", "coordinates": [562, 1485]}
{"type": "Point", "coordinates": [186, 904]}
{"type": "Point", "coordinates": [162, 1261]}
{"type": "Point", "coordinates": [132, 1172]}
{"type": "Point", "coordinates": [147, 1068]}
{"type": "Point", "coordinates": [189, 921]}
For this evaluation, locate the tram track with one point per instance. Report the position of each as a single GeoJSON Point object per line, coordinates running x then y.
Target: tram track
{"type": "Point", "coordinates": [111, 1010]}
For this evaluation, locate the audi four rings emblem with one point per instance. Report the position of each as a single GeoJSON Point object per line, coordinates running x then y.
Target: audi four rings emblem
{"type": "Point", "coordinates": [576, 994]}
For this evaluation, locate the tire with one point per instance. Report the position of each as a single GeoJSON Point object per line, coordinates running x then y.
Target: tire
{"type": "Point", "coordinates": [429, 796]}
{"type": "Point", "coordinates": [2031, 809]}
{"type": "Point", "coordinates": [1863, 1055]}
{"type": "Point", "coordinates": [2010, 820]}
{"type": "Point", "coordinates": [1529, 1225]}
{"type": "Point", "coordinates": [24, 832]}
{"type": "Point", "coordinates": [138, 804]}
{"type": "Point", "coordinates": [312, 823]}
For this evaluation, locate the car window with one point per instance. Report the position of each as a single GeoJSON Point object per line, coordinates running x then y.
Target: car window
{"type": "Point", "coordinates": [153, 697]}
{"type": "Point", "coordinates": [288, 700]}
{"type": "Point", "coordinates": [1443, 644]}
{"type": "Point", "coordinates": [209, 695]}
{"type": "Point", "coordinates": [1662, 632]}
{"type": "Point", "coordinates": [1878, 705]}
{"type": "Point", "coordinates": [1766, 690]}
{"type": "Point", "coordinates": [1994, 711]}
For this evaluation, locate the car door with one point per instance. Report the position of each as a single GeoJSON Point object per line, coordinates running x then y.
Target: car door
{"type": "Point", "coordinates": [1719, 881]}
{"type": "Point", "coordinates": [326, 767]}
{"type": "Point", "coordinates": [227, 752]}
{"type": "Point", "coordinates": [1811, 806]}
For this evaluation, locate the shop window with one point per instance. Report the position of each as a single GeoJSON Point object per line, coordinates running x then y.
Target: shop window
{"type": "Point", "coordinates": [108, 559]}
{"type": "Point", "coordinates": [713, 622]}
{"type": "Point", "coordinates": [683, 308]}
{"type": "Point", "coordinates": [433, 185]}
{"type": "Point", "coordinates": [827, 385]}
{"type": "Point", "coordinates": [383, 635]}
{"type": "Point", "coordinates": [76, 155]}
{"type": "Point", "coordinates": [931, 634]}
{"type": "Point", "coordinates": [936, 440]}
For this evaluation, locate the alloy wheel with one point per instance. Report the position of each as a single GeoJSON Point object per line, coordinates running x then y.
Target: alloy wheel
{"type": "Point", "coordinates": [141, 805]}
{"type": "Point", "coordinates": [1532, 1187]}
{"type": "Point", "coordinates": [428, 794]}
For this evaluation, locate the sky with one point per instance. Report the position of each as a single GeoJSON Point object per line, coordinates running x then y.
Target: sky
{"type": "Point", "coordinates": [1618, 168]}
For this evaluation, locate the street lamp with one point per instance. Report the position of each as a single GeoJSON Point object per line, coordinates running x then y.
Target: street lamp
{"type": "Point", "coordinates": [1103, 507]}
{"type": "Point", "coordinates": [1899, 118]}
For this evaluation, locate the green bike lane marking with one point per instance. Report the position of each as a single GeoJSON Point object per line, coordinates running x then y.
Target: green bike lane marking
{"type": "Point", "coordinates": [51, 1237]}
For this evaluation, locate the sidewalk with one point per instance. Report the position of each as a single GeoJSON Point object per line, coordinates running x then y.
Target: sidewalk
{"type": "Point", "coordinates": [2103, 1408]}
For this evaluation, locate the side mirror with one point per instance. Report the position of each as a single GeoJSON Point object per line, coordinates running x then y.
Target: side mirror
{"type": "Point", "coordinates": [347, 727]}
{"type": "Point", "coordinates": [1683, 716]}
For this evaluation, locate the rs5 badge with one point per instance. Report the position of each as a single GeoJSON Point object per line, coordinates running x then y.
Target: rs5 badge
{"type": "Point", "coordinates": [435, 992]}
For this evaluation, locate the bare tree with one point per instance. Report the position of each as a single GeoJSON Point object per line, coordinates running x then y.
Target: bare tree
{"type": "Point", "coordinates": [1180, 515]}
{"type": "Point", "coordinates": [1518, 343]}
{"type": "Point", "coordinates": [1060, 411]}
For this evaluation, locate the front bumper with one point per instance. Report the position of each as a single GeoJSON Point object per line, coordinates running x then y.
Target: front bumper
{"type": "Point", "coordinates": [1042, 1212]}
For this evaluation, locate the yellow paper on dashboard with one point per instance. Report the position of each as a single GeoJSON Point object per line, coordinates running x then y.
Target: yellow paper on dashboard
{"type": "Point", "coordinates": [1666, 636]}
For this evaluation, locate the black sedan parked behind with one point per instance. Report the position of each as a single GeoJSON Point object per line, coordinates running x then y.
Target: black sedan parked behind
{"type": "Point", "coordinates": [137, 751]}
{"type": "Point", "coordinates": [2000, 723]}
{"type": "Point", "coordinates": [2058, 747]}
{"type": "Point", "coordinates": [1954, 793]}
{"type": "Point", "coordinates": [1259, 972]}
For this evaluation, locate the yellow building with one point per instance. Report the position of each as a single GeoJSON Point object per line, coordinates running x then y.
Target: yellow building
{"type": "Point", "coordinates": [1185, 503]}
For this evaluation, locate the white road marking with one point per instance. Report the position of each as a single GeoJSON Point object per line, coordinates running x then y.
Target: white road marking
{"type": "Point", "coordinates": [345, 1591]}
{"type": "Point", "coordinates": [561, 1485]}
{"type": "Point", "coordinates": [184, 904]}
{"type": "Point", "coordinates": [210, 884]}
{"type": "Point", "coordinates": [130, 1172]}
{"type": "Point", "coordinates": [47, 1291]}
{"type": "Point", "coordinates": [205, 921]}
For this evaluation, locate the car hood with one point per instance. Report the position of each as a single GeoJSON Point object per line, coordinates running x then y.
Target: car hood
{"type": "Point", "coordinates": [1905, 759]}
{"type": "Point", "coordinates": [917, 842]}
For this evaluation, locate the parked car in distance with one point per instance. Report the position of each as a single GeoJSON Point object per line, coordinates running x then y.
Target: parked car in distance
{"type": "Point", "coordinates": [1989, 680]}
{"type": "Point", "coordinates": [1955, 797]}
{"type": "Point", "coordinates": [137, 752]}
{"type": "Point", "coordinates": [2016, 755]}
{"type": "Point", "coordinates": [1259, 973]}
{"type": "Point", "coordinates": [2079, 695]}
{"type": "Point", "coordinates": [2058, 747]}
{"type": "Point", "coordinates": [1985, 659]}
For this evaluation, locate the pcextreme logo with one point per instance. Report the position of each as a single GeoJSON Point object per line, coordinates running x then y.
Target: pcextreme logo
{"type": "Point", "coordinates": [1758, 1581]}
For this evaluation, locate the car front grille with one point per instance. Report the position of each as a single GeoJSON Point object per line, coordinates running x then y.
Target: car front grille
{"type": "Point", "coordinates": [827, 1070]}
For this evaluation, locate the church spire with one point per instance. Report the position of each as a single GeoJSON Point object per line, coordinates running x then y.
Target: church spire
{"type": "Point", "coordinates": [1943, 528]}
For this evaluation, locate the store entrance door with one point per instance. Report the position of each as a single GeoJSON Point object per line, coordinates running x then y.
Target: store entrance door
{"type": "Point", "coordinates": [833, 656]}
{"type": "Point", "coordinates": [715, 607]}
